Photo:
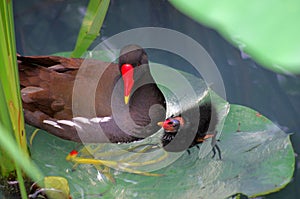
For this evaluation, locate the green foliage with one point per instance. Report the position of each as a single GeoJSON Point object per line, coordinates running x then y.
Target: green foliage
{"type": "Point", "coordinates": [10, 100]}
{"type": "Point", "coordinates": [7, 166]}
{"type": "Point", "coordinates": [60, 186]}
{"type": "Point", "coordinates": [18, 156]}
{"type": "Point", "coordinates": [13, 151]}
{"type": "Point", "coordinates": [91, 25]}
{"type": "Point", "coordinates": [266, 30]}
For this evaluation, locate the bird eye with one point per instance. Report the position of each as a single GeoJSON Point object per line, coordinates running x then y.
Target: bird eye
{"type": "Point", "coordinates": [170, 122]}
{"type": "Point", "coordinates": [176, 123]}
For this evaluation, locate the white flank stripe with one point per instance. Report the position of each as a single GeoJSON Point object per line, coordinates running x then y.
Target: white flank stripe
{"type": "Point", "coordinates": [68, 122]}
{"type": "Point", "coordinates": [81, 119]}
{"type": "Point", "coordinates": [52, 123]}
{"type": "Point", "coordinates": [100, 119]}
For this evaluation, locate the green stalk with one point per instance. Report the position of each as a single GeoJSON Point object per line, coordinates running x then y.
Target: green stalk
{"type": "Point", "coordinates": [6, 164]}
{"type": "Point", "coordinates": [91, 25]}
{"type": "Point", "coordinates": [13, 144]}
{"type": "Point", "coordinates": [9, 74]}
{"type": "Point", "coordinates": [8, 144]}
{"type": "Point", "coordinates": [14, 157]}
{"type": "Point", "coordinates": [21, 183]}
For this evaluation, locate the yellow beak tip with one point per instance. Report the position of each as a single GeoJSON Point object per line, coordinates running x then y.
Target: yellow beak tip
{"type": "Point", "coordinates": [160, 123]}
{"type": "Point", "coordinates": [126, 99]}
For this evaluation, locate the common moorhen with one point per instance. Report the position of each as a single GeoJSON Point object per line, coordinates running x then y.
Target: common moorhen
{"type": "Point", "coordinates": [180, 126]}
{"type": "Point", "coordinates": [128, 103]}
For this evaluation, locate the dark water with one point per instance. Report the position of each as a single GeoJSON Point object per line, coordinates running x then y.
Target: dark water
{"type": "Point", "coordinates": [45, 27]}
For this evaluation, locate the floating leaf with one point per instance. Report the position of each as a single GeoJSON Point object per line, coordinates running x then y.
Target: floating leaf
{"type": "Point", "coordinates": [257, 158]}
{"type": "Point", "coordinates": [266, 30]}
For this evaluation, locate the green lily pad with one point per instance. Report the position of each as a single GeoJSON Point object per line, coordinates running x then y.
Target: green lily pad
{"type": "Point", "coordinates": [266, 30]}
{"type": "Point", "coordinates": [257, 158]}
{"type": "Point", "coordinates": [56, 187]}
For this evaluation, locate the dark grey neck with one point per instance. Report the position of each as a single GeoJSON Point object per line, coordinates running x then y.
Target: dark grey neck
{"type": "Point", "coordinates": [139, 118]}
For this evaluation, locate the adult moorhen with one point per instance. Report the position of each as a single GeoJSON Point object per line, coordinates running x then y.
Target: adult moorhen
{"type": "Point", "coordinates": [128, 103]}
{"type": "Point", "coordinates": [180, 126]}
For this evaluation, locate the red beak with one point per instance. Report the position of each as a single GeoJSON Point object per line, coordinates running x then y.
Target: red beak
{"type": "Point", "coordinates": [166, 126]}
{"type": "Point", "coordinates": [127, 74]}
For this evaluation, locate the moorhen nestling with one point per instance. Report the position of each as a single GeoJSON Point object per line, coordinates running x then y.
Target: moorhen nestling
{"type": "Point", "coordinates": [175, 125]}
{"type": "Point", "coordinates": [126, 97]}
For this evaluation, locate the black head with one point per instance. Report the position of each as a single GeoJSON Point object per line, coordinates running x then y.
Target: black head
{"type": "Point", "coordinates": [131, 57]}
{"type": "Point", "coordinates": [171, 124]}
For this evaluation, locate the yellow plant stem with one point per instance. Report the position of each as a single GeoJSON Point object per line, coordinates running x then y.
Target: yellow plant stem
{"type": "Point", "coordinates": [116, 164]}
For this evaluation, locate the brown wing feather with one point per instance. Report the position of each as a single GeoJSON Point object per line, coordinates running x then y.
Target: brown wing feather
{"type": "Point", "coordinates": [47, 86]}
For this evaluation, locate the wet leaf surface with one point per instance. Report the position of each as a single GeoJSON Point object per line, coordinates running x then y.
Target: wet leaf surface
{"type": "Point", "coordinates": [257, 158]}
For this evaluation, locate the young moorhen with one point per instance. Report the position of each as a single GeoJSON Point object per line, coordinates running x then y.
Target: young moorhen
{"type": "Point", "coordinates": [126, 97]}
{"type": "Point", "coordinates": [180, 126]}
